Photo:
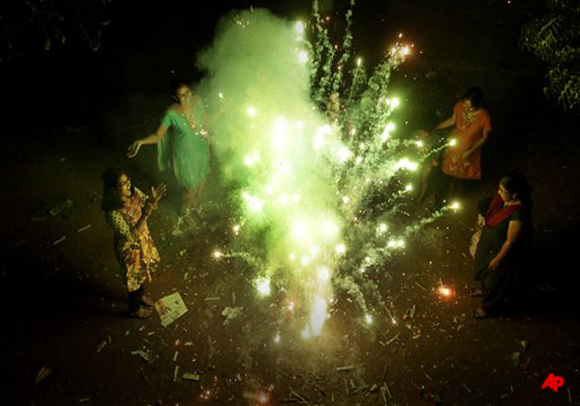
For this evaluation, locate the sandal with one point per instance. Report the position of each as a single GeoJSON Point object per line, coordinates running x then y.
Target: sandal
{"type": "Point", "coordinates": [475, 292]}
{"type": "Point", "coordinates": [479, 314]}
{"type": "Point", "coordinates": [147, 301]}
{"type": "Point", "coordinates": [142, 313]}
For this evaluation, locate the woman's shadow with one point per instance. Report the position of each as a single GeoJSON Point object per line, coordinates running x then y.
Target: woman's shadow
{"type": "Point", "coordinates": [549, 286]}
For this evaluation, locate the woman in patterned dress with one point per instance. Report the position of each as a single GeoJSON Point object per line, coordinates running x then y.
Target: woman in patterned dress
{"type": "Point", "coordinates": [126, 211]}
{"type": "Point", "coordinates": [185, 149]}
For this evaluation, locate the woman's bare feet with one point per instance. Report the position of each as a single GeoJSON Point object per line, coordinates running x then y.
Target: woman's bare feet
{"type": "Point", "coordinates": [142, 313]}
{"type": "Point", "coordinates": [479, 313]}
{"type": "Point", "coordinates": [147, 301]}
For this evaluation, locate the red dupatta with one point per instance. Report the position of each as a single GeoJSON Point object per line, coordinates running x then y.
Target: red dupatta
{"type": "Point", "coordinates": [497, 213]}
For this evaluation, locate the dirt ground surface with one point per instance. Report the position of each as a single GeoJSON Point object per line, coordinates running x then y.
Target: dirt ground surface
{"type": "Point", "coordinates": [74, 114]}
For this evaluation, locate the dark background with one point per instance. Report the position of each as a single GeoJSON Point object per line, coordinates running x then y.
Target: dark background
{"type": "Point", "coordinates": [72, 112]}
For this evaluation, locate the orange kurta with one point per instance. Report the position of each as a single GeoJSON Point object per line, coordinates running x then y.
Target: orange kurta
{"type": "Point", "coordinates": [466, 134]}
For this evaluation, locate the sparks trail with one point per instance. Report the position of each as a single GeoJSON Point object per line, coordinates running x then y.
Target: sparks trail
{"type": "Point", "coordinates": [308, 142]}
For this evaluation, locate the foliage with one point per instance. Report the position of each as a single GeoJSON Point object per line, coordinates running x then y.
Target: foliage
{"type": "Point", "coordinates": [29, 26]}
{"type": "Point", "coordinates": [555, 39]}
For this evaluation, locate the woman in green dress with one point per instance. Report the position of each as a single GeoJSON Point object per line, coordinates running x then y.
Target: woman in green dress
{"type": "Point", "coordinates": [505, 243]}
{"type": "Point", "coordinates": [182, 144]}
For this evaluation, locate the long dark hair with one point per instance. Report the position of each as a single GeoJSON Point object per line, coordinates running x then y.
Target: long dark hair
{"type": "Point", "coordinates": [175, 84]}
{"type": "Point", "coordinates": [111, 198]}
{"type": "Point", "coordinates": [515, 183]}
{"type": "Point", "coordinates": [475, 96]}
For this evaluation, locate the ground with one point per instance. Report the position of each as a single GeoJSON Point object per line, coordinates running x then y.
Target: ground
{"type": "Point", "coordinates": [65, 304]}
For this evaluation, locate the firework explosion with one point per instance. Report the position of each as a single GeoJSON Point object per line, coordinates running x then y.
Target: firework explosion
{"type": "Point", "coordinates": [318, 170]}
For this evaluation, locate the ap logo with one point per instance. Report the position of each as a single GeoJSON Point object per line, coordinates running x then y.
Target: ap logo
{"type": "Point", "coordinates": [553, 382]}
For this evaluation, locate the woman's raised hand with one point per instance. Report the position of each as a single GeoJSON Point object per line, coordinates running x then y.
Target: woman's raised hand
{"type": "Point", "coordinates": [133, 149]}
{"type": "Point", "coordinates": [158, 193]}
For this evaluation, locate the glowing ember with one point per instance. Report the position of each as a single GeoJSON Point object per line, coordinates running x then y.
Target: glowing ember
{"type": "Point", "coordinates": [405, 163]}
{"type": "Point", "coordinates": [323, 274]}
{"type": "Point", "coordinates": [299, 27]}
{"type": "Point", "coordinates": [262, 397]}
{"type": "Point", "coordinates": [455, 206]}
{"type": "Point", "coordinates": [445, 291]}
{"type": "Point", "coordinates": [263, 286]}
{"type": "Point", "coordinates": [318, 316]}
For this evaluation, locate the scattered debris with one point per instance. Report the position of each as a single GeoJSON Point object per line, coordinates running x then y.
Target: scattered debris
{"type": "Point", "coordinates": [56, 210]}
{"type": "Point", "coordinates": [383, 392]}
{"type": "Point", "coordinates": [61, 239]}
{"type": "Point", "coordinates": [170, 308]}
{"type": "Point", "coordinates": [143, 354]}
{"type": "Point", "coordinates": [515, 357]}
{"type": "Point", "coordinates": [410, 313]}
{"type": "Point", "coordinates": [101, 345]}
{"type": "Point", "coordinates": [421, 286]}
{"type": "Point", "coordinates": [297, 395]}
{"type": "Point", "coordinates": [318, 388]}
{"type": "Point", "coordinates": [372, 389]}
{"type": "Point", "coordinates": [176, 373]}
{"type": "Point", "coordinates": [525, 345]}
{"type": "Point", "coordinates": [392, 339]}
{"type": "Point", "coordinates": [386, 386]}
{"type": "Point", "coordinates": [231, 313]}
{"type": "Point", "coordinates": [362, 388]}
{"type": "Point", "coordinates": [42, 374]}
{"type": "Point", "coordinates": [210, 299]}
{"type": "Point", "coordinates": [526, 364]}
{"type": "Point", "coordinates": [85, 228]}
{"type": "Point", "coordinates": [346, 368]}
{"type": "Point", "coordinates": [191, 376]}
{"type": "Point", "coordinates": [84, 400]}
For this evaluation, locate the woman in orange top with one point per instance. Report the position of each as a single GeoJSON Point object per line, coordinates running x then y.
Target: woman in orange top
{"type": "Point", "coordinates": [462, 158]}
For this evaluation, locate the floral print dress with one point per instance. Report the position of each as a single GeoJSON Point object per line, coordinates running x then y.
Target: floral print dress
{"type": "Point", "coordinates": [135, 250]}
